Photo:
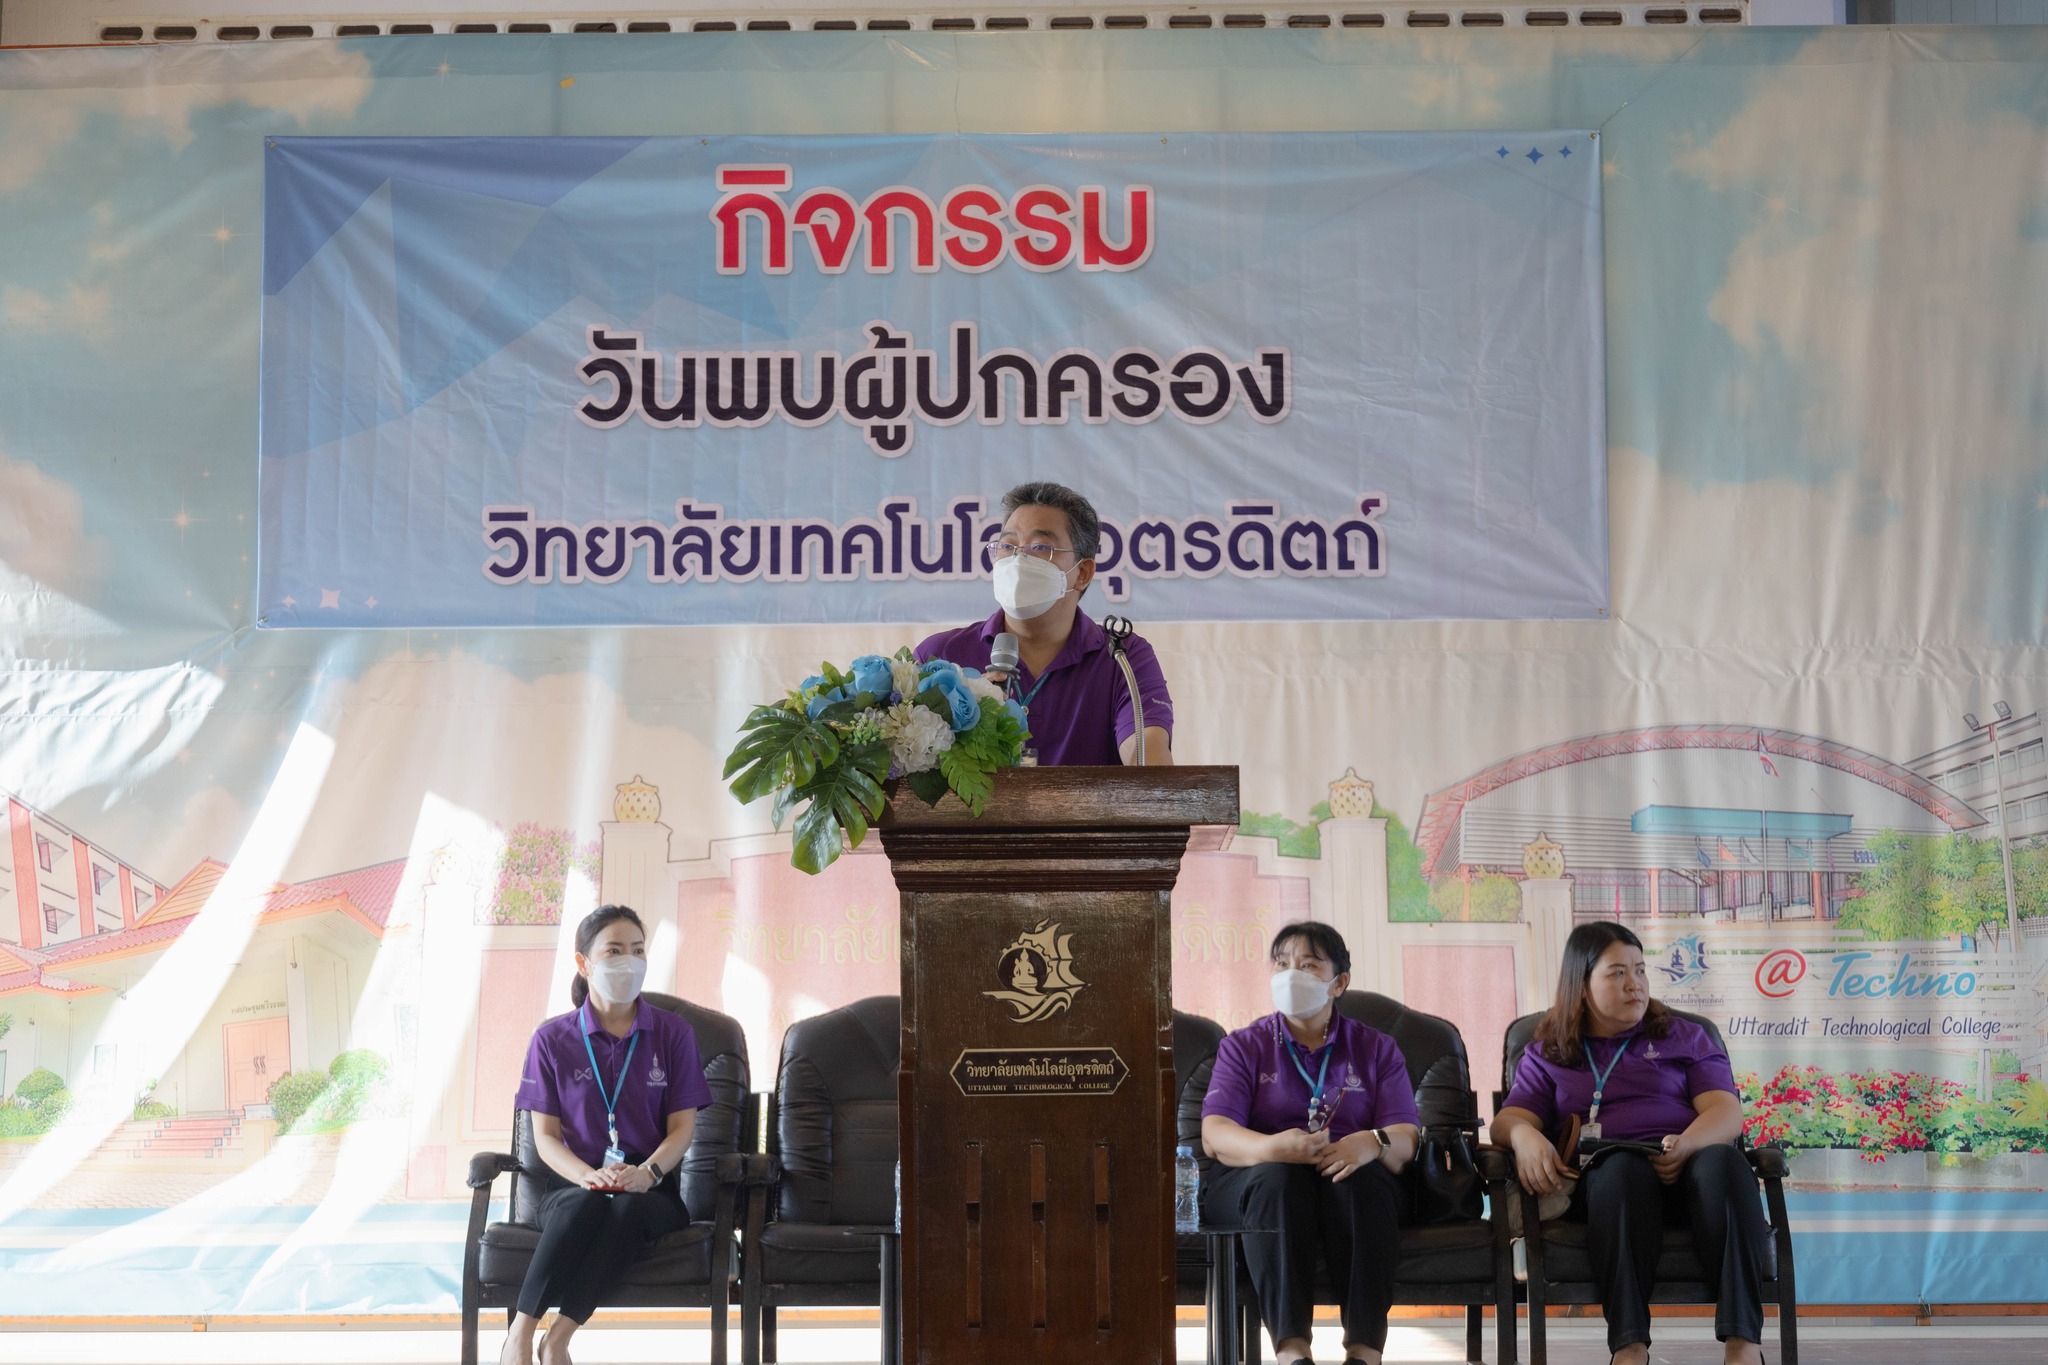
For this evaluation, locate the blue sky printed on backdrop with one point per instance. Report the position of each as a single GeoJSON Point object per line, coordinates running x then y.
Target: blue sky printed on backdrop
{"type": "Point", "coordinates": [1825, 418]}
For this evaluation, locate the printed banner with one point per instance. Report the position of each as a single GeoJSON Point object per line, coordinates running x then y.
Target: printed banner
{"type": "Point", "coordinates": [279, 910]}
{"type": "Point", "coordinates": [512, 381]}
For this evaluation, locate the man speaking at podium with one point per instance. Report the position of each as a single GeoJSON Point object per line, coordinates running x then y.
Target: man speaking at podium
{"type": "Point", "coordinates": [1067, 675]}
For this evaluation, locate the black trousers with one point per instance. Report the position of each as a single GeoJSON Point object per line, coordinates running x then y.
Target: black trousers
{"type": "Point", "coordinates": [1626, 1208]}
{"type": "Point", "coordinates": [587, 1242]}
{"type": "Point", "coordinates": [1353, 1224]}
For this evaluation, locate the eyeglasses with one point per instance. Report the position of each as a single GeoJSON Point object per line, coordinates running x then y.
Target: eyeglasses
{"type": "Point", "coordinates": [1037, 549]}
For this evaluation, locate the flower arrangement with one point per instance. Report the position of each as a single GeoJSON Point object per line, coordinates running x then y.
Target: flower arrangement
{"type": "Point", "coordinates": [839, 736]}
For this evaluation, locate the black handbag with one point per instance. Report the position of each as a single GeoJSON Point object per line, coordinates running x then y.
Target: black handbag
{"type": "Point", "coordinates": [1448, 1188]}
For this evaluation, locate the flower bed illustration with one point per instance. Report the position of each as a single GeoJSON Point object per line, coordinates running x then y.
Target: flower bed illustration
{"type": "Point", "coordinates": [1887, 1113]}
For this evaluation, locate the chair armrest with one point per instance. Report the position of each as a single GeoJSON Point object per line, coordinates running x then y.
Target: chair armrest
{"type": "Point", "coordinates": [1494, 1161]}
{"type": "Point", "coordinates": [1768, 1162]}
{"type": "Point", "coordinates": [747, 1168]}
{"type": "Point", "coordinates": [486, 1167]}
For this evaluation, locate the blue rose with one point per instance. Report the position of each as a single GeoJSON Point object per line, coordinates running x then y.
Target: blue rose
{"type": "Point", "coordinates": [824, 699]}
{"type": "Point", "coordinates": [1018, 714]}
{"type": "Point", "coordinates": [871, 674]}
{"type": "Point", "coordinates": [946, 679]}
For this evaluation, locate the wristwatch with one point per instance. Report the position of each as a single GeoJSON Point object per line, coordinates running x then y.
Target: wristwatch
{"type": "Point", "coordinates": [654, 1169]}
{"type": "Point", "coordinates": [1384, 1139]}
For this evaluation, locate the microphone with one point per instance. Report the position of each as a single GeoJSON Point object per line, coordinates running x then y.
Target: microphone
{"type": "Point", "coordinates": [1119, 629]}
{"type": "Point", "coordinates": [1002, 658]}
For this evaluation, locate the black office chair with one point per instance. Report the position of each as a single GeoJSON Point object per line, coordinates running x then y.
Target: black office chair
{"type": "Point", "coordinates": [1561, 1270]}
{"type": "Point", "coordinates": [693, 1267]}
{"type": "Point", "coordinates": [1450, 1256]}
{"type": "Point", "coordinates": [833, 1141]}
{"type": "Point", "coordinates": [1207, 1268]}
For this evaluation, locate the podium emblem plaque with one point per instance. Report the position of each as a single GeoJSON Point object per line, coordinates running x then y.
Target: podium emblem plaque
{"type": "Point", "coordinates": [989, 1071]}
{"type": "Point", "coordinates": [1037, 972]}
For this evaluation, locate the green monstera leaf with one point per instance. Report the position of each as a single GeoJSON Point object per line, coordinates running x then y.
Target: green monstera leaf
{"type": "Point", "coordinates": [844, 799]}
{"type": "Point", "coordinates": [780, 748]}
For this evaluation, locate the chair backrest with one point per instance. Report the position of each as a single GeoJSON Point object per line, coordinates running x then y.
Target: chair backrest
{"type": "Point", "coordinates": [1523, 1031]}
{"type": "Point", "coordinates": [1433, 1049]}
{"type": "Point", "coordinates": [722, 1048]}
{"type": "Point", "coordinates": [835, 1123]}
{"type": "Point", "coordinates": [1194, 1056]}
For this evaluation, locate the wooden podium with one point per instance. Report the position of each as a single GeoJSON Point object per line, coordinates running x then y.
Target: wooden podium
{"type": "Point", "coordinates": [1036, 1090]}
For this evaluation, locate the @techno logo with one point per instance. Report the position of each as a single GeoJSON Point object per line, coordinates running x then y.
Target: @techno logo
{"type": "Point", "coordinates": [1780, 972]}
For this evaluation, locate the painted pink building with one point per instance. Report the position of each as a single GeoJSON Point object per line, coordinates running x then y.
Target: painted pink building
{"type": "Point", "coordinates": [56, 885]}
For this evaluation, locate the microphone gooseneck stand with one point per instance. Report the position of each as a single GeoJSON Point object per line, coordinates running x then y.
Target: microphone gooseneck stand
{"type": "Point", "coordinates": [1119, 629]}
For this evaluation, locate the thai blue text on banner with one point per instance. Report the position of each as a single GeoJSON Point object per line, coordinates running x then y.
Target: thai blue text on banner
{"type": "Point", "coordinates": [617, 380]}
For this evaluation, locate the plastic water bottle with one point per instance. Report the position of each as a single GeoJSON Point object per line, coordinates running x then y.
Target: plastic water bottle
{"type": "Point", "coordinates": [1187, 1190]}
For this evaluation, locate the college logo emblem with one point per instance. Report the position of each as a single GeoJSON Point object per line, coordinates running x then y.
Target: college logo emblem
{"type": "Point", "coordinates": [1780, 972]}
{"type": "Point", "coordinates": [655, 1075]}
{"type": "Point", "coordinates": [1037, 974]}
{"type": "Point", "coordinates": [1685, 961]}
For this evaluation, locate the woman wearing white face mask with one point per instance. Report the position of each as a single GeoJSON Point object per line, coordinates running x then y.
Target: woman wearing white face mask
{"type": "Point", "coordinates": [613, 1088]}
{"type": "Point", "coordinates": [1068, 679]}
{"type": "Point", "coordinates": [1309, 1118]}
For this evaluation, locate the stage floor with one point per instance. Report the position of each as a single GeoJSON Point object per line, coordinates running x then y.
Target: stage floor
{"type": "Point", "coordinates": [1826, 1341]}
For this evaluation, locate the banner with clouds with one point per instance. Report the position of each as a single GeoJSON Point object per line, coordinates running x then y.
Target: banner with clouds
{"type": "Point", "coordinates": [279, 909]}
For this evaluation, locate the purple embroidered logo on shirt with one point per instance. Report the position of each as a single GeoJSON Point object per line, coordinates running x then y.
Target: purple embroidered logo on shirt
{"type": "Point", "coordinates": [655, 1075]}
{"type": "Point", "coordinates": [581, 1073]}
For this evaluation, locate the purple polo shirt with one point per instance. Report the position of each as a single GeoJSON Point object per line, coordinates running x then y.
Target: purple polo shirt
{"type": "Point", "coordinates": [1649, 1094]}
{"type": "Point", "coordinates": [664, 1078]}
{"type": "Point", "coordinates": [1080, 709]}
{"type": "Point", "coordinates": [1254, 1083]}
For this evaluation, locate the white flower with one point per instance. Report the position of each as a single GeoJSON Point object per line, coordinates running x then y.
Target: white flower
{"type": "Point", "coordinates": [903, 677]}
{"type": "Point", "coordinates": [984, 690]}
{"type": "Point", "coordinates": [916, 735]}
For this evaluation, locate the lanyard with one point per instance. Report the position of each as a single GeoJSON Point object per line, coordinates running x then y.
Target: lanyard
{"type": "Point", "coordinates": [1026, 702]}
{"type": "Point", "coordinates": [1600, 1075]}
{"type": "Point", "coordinates": [1318, 1114]}
{"type": "Point", "coordinates": [611, 1101]}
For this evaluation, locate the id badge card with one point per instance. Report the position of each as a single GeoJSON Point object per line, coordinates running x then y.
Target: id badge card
{"type": "Point", "coordinates": [614, 1157]}
{"type": "Point", "coordinates": [1590, 1130]}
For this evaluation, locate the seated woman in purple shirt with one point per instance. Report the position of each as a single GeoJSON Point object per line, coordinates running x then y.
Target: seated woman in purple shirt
{"type": "Point", "coordinates": [613, 1087]}
{"type": "Point", "coordinates": [1310, 1116]}
{"type": "Point", "coordinates": [1630, 1069]}
{"type": "Point", "coordinates": [1069, 681]}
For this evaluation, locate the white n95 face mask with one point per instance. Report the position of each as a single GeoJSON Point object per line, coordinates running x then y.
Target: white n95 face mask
{"type": "Point", "coordinates": [616, 980]}
{"type": "Point", "coordinates": [1297, 994]}
{"type": "Point", "coordinates": [1027, 586]}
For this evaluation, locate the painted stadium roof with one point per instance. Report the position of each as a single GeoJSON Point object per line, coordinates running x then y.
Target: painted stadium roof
{"type": "Point", "coordinates": [1444, 809]}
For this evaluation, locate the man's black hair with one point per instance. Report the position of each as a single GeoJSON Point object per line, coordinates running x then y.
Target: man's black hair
{"type": "Point", "coordinates": [1082, 523]}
